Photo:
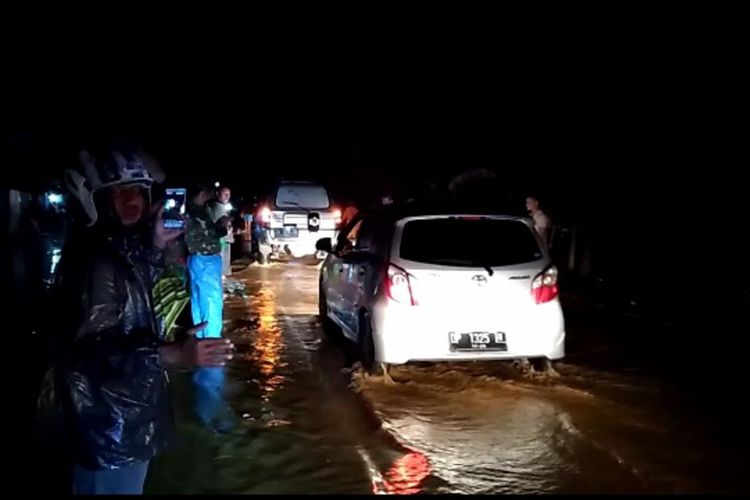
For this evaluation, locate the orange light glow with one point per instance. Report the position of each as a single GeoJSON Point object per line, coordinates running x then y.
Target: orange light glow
{"type": "Point", "coordinates": [405, 475]}
{"type": "Point", "coordinates": [337, 215]}
{"type": "Point", "coordinates": [265, 215]}
{"type": "Point", "coordinates": [268, 342]}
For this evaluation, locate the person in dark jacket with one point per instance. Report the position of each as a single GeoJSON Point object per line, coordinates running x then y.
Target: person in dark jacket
{"type": "Point", "coordinates": [203, 237]}
{"type": "Point", "coordinates": [108, 383]}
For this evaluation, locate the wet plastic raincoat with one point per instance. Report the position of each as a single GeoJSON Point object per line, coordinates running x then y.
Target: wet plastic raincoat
{"type": "Point", "coordinates": [108, 392]}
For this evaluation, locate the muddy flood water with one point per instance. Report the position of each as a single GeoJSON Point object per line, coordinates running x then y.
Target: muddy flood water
{"type": "Point", "coordinates": [296, 419]}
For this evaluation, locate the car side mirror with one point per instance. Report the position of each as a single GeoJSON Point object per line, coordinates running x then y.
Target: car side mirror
{"type": "Point", "coordinates": [324, 244]}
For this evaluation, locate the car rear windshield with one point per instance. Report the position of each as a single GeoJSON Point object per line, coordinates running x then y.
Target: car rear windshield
{"type": "Point", "coordinates": [302, 196]}
{"type": "Point", "coordinates": [468, 242]}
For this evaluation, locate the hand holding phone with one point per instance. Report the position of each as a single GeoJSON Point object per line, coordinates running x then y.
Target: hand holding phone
{"type": "Point", "coordinates": [173, 216]}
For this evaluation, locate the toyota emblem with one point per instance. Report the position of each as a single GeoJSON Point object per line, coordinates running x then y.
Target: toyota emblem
{"type": "Point", "coordinates": [479, 280]}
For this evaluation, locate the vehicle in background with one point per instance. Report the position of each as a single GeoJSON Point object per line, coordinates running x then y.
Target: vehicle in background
{"type": "Point", "coordinates": [293, 217]}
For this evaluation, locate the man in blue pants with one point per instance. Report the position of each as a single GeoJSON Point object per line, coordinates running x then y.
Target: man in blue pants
{"type": "Point", "coordinates": [203, 238]}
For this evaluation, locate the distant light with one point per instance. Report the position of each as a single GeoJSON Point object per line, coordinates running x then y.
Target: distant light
{"type": "Point", "coordinates": [54, 198]}
{"type": "Point", "coordinates": [217, 184]}
{"type": "Point", "coordinates": [265, 215]}
{"type": "Point", "coordinates": [56, 254]}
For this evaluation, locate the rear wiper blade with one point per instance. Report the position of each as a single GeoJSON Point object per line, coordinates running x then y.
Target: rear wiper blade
{"type": "Point", "coordinates": [469, 262]}
{"type": "Point", "coordinates": [295, 204]}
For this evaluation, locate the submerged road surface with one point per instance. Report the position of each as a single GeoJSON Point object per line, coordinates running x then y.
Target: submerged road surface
{"type": "Point", "coordinates": [295, 420]}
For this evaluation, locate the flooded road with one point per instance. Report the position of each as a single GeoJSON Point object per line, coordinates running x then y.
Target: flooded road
{"type": "Point", "coordinates": [296, 420]}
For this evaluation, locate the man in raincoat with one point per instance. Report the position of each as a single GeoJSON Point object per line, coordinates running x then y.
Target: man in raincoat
{"type": "Point", "coordinates": [107, 392]}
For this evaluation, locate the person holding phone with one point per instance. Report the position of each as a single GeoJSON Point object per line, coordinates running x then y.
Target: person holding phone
{"type": "Point", "coordinates": [106, 396]}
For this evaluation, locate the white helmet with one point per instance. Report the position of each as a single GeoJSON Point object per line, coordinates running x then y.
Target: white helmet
{"type": "Point", "coordinates": [120, 166]}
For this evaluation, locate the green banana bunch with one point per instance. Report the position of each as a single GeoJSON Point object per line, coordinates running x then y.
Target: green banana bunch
{"type": "Point", "coordinates": [169, 298]}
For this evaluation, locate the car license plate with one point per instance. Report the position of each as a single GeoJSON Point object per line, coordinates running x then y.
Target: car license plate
{"type": "Point", "coordinates": [289, 232]}
{"type": "Point", "coordinates": [477, 341]}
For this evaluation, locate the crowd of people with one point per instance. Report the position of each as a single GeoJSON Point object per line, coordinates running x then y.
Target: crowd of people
{"type": "Point", "coordinates": [104, 405]}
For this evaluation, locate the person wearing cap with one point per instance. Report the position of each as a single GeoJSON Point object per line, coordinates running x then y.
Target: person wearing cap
{"type": "Point", "coordinates": [105, 400]}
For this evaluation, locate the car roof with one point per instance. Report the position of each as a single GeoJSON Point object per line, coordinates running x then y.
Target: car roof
{"type": "Point", "coordinates": [394, 213]}
{"type": "Point", "coordinates": [285, 182]}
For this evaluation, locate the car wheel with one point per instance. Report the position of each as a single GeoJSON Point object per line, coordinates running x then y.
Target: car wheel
{"type": "Point", "coordinates": [325, 321]}
{"type": "Point", "coordinates": [543, 365]}
{"type": "Point", "coordinates": [367, 345]}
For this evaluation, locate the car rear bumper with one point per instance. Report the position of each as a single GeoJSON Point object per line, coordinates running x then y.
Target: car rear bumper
{"type": "Point", "coordinates": [408, 333]}
{"type": "Point", "coordinates": [303, 244]}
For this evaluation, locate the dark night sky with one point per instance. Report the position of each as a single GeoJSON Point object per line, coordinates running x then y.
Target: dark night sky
{"type": "Point", "coordinates": [637, 134]}
{"type": "Point", "coordinates": [415, 117]}
{"type": "Point", "coordinates": [542, 113]}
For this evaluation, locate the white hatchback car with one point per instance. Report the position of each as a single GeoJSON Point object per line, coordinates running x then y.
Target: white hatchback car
{"type": "Point", "coordinates": [421, 285]}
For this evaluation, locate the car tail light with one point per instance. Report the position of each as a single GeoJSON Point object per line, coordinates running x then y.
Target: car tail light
{"type": "Point", "coordinates": [265, 216]}
{"type": "Point", "coordinates": [399, 286]}
{"type": "Point", "coordinates": [544, 287]}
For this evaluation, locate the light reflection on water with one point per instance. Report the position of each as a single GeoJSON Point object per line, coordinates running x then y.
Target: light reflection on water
{"type": "Point", "coordinates": [268, 342]}
{"type": "Point", "coordinates": [477, 427]}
